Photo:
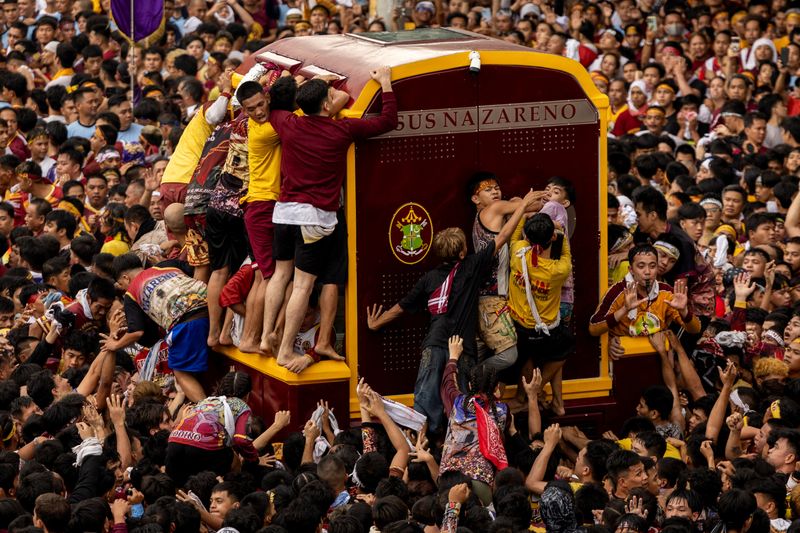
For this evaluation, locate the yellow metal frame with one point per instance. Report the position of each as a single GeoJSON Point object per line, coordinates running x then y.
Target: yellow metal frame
{"type": "Point", "coordinates": [573, 389]}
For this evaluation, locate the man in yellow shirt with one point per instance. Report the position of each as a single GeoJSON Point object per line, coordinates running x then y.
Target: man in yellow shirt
{"type": "Point", "coordinates": [534, 298]}
{"type": "Point", "coordinates": [264, 162]}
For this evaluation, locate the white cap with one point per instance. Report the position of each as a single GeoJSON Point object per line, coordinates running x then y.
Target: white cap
{"type": "Point", "coordinates": [294, 11]}
{"type": "Point", "coordinates": [51, 47]}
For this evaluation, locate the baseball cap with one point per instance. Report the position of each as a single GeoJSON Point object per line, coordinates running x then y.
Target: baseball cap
{"type": "Point", "coordinates": [530, 9]}
{"type": "Point", "coordinates": [51, 47]}
{"type": "Point", "coordinates": [294, 12]}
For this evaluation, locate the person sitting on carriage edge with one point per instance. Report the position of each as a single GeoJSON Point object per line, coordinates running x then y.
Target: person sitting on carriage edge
{"type": "Point", "coordinates": [450, 293]}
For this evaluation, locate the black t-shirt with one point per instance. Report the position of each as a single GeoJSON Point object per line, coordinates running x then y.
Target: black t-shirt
{"type": "Point", "coordinates": [461, 317]}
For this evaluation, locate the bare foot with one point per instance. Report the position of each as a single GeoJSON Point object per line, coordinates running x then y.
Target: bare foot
{"type": "Point", "coordinates": [213, 339]}
{"type": "Point", "coordinates": [269, 344]}
{"type": "Point", "coordinates": [295, 362]}
{"type": "Point", "coordinates": [225, 338]}
{"type": "Point", "coordinates": [250, 347]}
{"type": "Point", "coordinates": [557, 408]}
{"type": "Point", "coordinates": [327, 351]}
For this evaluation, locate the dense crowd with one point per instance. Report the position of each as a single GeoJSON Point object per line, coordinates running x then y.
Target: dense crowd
{"type": "Point", "coordinates": [156, 206]}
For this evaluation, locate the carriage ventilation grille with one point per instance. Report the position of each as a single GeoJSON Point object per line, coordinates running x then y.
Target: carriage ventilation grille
{"type": "Point", "coordinates": [419, 148]}
{"type": "Point", "coordinates": [400, 345]}
{"type": "Point", "coordinates": [539, 140]}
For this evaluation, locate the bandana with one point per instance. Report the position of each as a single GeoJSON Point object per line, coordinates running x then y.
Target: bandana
{"type": "Point", "coordinates": [558, 511]}
{"type": "Point", "coordinates": [489, 436]}
{"type": "Point", "coordinates": [437, 303]}
{"type": "Point", "coordinates": [106, 155]}
{"type": "Point", "coordinates": [668, 249]}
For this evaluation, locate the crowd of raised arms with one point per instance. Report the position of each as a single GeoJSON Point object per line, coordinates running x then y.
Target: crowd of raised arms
{"type": "Point", "coordinates": [156, 206]}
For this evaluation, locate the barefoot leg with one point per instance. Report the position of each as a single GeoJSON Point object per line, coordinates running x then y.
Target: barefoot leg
{"type": "Point", "coordinates": [328, 301]}
{"type": "Point", "coordinates": [215, 284]}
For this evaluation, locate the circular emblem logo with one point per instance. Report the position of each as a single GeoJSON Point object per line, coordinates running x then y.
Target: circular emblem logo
{"type": "Point", "coordinates": [410, 233]}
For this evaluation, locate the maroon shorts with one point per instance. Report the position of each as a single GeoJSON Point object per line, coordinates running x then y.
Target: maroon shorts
{"type": "Point", "coordinates": [258, 221]}
{"type": "Point", "coordinates": [172, 193]}
{"type": "Point", "coordinates": [237, 288]}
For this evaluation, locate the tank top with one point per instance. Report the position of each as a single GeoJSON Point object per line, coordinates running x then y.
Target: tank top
{"type": "Point", "coordinates": [497, 282]}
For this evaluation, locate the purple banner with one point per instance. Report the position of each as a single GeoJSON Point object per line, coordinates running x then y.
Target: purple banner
{"type": "Point", "coordinates": [148, 17]}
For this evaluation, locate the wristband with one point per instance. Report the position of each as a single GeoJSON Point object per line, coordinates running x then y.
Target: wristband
{"type": "Point", "coordinates": [453, 506]}
{"type": "Point", "coordinates": [739, 305]}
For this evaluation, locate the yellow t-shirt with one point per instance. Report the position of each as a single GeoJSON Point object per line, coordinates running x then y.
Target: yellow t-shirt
{"type": "Point", "coordinates": [546, 280]}
{"type": "Point", "coordinates": [264, 160]}
{"type": "Point", "coordinates": [187, 154]}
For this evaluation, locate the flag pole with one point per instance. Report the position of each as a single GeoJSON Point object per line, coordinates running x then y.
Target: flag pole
{"type": "Point", "coordinates": [132, 52]}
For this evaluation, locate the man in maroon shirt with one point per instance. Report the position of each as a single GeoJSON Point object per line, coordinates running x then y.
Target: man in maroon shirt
{"type": "Point", "coordinates": [309, 224]}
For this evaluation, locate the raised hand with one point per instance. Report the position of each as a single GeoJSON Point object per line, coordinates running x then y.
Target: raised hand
{"type": "Point", "coordinates": [735, 422]}
{"type": "Point", "coordinates": [456, 347]}
{"type": "Point", "coordinates": [552, 435]}
{"type": "Point", "coordinates": [116, 410]}
{"type": "Point", "coordinates": [282, 419]}
{"type": "Point", "coordinates": [728, 376]}
{"type": "Point", "coordinates": [533, 386]}
{"type": "Point", "coordinates": [680, 296]}
{"type": "Point", "coordinates": [632, 300]}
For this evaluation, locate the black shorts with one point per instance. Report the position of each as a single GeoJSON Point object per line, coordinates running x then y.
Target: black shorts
{"type": "Point", "coordinates": [326, 258]}
{"type": "Point", "coordinates": [226, 236]}
{"type": "Point", "coordinates": [545, 348]}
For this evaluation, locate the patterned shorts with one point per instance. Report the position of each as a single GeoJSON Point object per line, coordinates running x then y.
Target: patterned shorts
{"type": "Point", "coordinates": [196, 249]}
{"type": "Point", "coordinates": [495, 323]}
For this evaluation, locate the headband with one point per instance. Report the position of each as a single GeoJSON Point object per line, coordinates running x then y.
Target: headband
{"type": "Point", "coordinates": [668, 249]}
{"type": "Point", "coordinates": [657, 109]}
{"type": "Point", "coordinates": [711, 201]}
{"type": "Point", "coordinates": [665, 86]}
{"type": "Point", "coordinates": [302, 25]}
{"type": "Point", "coordinates": [596, 75]}
{"type": "Point", "coordinates": [775, 336]}
{"type": "Point", "coordinates": [622, 242]}
{"type": "Point", "coordinates": [10, 433]}
{"type": "Point", "coordinates": [485, 184]}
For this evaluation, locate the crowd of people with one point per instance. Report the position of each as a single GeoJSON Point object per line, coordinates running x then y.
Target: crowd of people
{"type": "Point", "coordinates": [156, 206]}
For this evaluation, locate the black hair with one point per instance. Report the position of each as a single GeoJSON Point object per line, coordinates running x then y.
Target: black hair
{"type": "Point", "coordinates": [235, 384]}
{"type": "Point", "coordinates": [653, 442]}
{"type": "Point", "coordinates": [539, 230]}
{"type": "Point", "coordinates": [659, 398]}
{"type": "Point", "coordinates": [125, 262]}
{"type": "Point", "coordinates": [63, 220]}
{"type": "Point", "coordinates": [248, 89]}
{"type": "Point", "coordinates": [619, 462]}
{"type": "Point", "coordinates": [311, 95]}
{"type": "Point", "coordinates": [736, 506]}
{"type": "Point", "coordinates": [652, 201]}
{"type": "Point", "coordinates": [389, 509]}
